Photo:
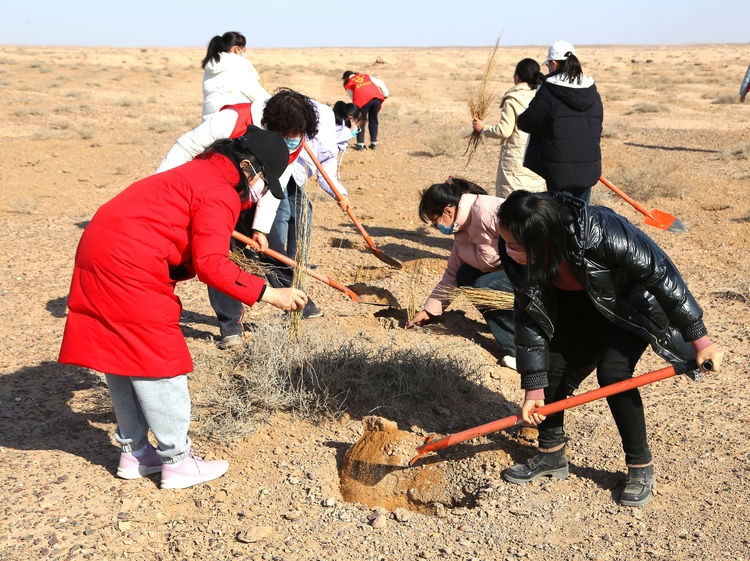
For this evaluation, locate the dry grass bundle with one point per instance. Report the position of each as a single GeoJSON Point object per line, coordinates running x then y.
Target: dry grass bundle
{"type": "Point", "coordinates": [323, 374]}
{"type": "Point", "coordinates": [482, 298]}
{"type": "Point", "coordinates": [415, 289]}
{"type": "Point", "coordinates": [304, 230]}
{"type": "Point", "coordinates": [481, 99]}
{"type": "Point", "coordinates": [251, 266]}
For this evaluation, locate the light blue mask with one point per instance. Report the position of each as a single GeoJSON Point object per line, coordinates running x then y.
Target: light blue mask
{"type": "Point", "coordinates": [293, 143]}
{"type": "Point", "coordinates": [355, 131]}
{"type": "Point", "coordinates": [447, 230]}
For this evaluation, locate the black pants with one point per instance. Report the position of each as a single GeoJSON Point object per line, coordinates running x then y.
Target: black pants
{"type": "Point", "coordinates": [370, 112]}
{"type": "Point", "coordinates": [583, 340]}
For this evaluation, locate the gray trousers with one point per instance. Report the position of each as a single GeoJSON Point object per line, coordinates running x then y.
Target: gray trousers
{"type": "Point", "coordinates": [161, 404]}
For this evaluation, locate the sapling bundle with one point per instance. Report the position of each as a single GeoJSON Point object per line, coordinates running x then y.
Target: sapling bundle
{"type": "Point", "coordinates": [482, 298]}
{"type": "Point", "coordinates": [481, 99]}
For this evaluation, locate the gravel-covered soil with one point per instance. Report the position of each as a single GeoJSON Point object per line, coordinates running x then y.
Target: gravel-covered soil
{"type": "Point", "coordinates": [77, 125]}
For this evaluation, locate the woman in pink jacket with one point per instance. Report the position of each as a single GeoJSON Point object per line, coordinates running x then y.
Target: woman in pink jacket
{"type": "Point", "coordinates": [124, 316]}
{"type": "Point", "coordinates": [463, 209]}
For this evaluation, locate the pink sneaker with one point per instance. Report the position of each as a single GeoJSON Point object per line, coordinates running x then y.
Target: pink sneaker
{"type": "Point", "coordinates": [191, 471]}
{"type": "Point", "coordinates": [145, 463]}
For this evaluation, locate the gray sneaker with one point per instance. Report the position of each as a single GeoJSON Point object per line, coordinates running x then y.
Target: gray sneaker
{"type": "Point", "coordinates": [230, 341]}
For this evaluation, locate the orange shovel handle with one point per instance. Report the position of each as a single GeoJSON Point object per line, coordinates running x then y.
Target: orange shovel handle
{"type": "Point", "coordinates": [555, 407]}
{"type": "Point", "coordinates": [639, 207]}
{"type": "Point", "coordinates": [339, 197]}
{"type": "Point", "coordinates": [252, 244]}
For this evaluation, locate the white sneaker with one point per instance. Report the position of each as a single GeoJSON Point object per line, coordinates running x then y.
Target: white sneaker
{"type": "Point", "coordinates": [191, 471]}
{"type": "Point", "coordinates": [509, 362]}
{"type": "Point", "coordinates": [230, 341]}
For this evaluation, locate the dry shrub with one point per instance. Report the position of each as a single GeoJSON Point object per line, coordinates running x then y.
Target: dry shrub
{"type": "Point", "coordinates": [320, 375]}
{"type": "Point", "coordinates": [646, 107]}
{"type": "Point", "coordinates": [650, 178]}
{"type": "Point", "coordinates": [440, 144]}
{"type": "Point", "coordinates": [725, 99]}
{"type": "Point", "coordinates": [739, 152]}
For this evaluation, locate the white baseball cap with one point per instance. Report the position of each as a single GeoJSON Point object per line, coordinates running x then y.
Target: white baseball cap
{"type": "Point", "coordinates": [559, 51]}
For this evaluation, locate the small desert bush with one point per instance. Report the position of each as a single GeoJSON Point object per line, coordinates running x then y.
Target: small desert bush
{"type": "Point", "coordinates": [739, 152]}
{"type": "Point", "coordinates": [29, 112]}
{"type": "Point", "coordinates": [645, 107]}
{"type": "Point", "coordinates": [320, 375]}
{"type": "Point", "coordinates": [650, 178]}
{"type": "Point", "coordinates": [159, 125]}
{"type": "Point", "coordinates": [725, 99]}
{"type": "Point", "coordinates": [441, 144]}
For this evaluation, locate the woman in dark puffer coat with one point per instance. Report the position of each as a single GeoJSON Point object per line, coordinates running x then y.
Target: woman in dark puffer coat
{"type": "Point", "coordinates": [591, 291]}
{"type": "Point", "coordinates": [564, 121]}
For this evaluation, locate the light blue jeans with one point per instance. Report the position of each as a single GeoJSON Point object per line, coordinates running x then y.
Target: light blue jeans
{"type": "Point", "coordinates": [161, 404]}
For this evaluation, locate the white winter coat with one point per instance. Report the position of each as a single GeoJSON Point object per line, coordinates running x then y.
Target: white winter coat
{"type": "Point", "coordinates": [511, 174]}
{"type": "Point", "coordinates": [233, 79]}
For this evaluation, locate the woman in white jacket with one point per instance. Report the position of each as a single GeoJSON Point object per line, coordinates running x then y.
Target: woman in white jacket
{"type": "Point", "coordinates": [511, 174]}
{"type": "Point", "coordinates": [228, 77]}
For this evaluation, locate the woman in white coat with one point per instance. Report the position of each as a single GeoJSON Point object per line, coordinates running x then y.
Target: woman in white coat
{"type": "Point", "coordinates": [228, 77]}
{"type": "Point", "coordinates": [511, 174]}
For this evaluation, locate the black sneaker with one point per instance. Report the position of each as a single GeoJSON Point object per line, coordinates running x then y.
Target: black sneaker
{"type": "Point", "coordinates": [638, 486]}
{"type": "Point", "coordinates": [359, 147]}
{"type": "Point", "coordinates": [554, 464]}
{"type": "Point", "coordinates": [374, 146]}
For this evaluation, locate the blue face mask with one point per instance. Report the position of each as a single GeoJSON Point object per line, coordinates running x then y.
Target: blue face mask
{"type": "Point", "coordinates": [355, 131]}
{"type": "Point", "coordinates": [293, 143]}
{"type": "Point", "coordinates": [447, 230]}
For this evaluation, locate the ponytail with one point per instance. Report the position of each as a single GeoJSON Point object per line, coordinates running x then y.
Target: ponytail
{"type": "Point", "coordinates": [528, 71]}
{"type": "Point", "coordinates": [571, 69]}
{"type": "Point", "coordinates": [222, 44]}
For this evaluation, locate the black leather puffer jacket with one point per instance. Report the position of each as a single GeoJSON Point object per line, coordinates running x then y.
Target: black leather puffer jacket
{"type": "Point", "coordinates": [628, 278]}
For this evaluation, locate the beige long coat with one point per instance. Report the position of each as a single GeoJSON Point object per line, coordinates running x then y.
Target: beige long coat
{"type": "Point", "coordinates": [511, 175]}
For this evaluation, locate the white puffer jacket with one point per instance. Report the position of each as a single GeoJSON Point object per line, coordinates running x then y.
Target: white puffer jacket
{"type": "Point", "coordinates": [232, 79]}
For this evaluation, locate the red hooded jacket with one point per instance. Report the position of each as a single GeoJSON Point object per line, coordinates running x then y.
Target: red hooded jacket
{"type": "Point", "coordinates": [124, 317]}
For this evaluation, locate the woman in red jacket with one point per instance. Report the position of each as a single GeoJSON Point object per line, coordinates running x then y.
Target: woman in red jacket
{"type": "Point", "coordinates": [124, 317]}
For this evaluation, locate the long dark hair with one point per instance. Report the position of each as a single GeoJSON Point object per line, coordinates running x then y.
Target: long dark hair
{"type": "Point", "coordinates": [231, 149]}
{"type": "Point", "coordinates": [348, 74]}
{"type": "Point", "coordinates": [570, 68]}
{"type": "Point", "coordinates": [540, 223]}
{"type": "Point", "coordinates": [290, 113]}
{"type": "Point", "coordinates": [440, 195]}
{"type": "Point", "coordinates": [345, 112]}
{"type": "Point", "coordinates": [528, 71]}
{"type": "Point", "coordinates": [222, 44]}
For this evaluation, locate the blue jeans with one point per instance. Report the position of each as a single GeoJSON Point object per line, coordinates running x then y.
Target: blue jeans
{"type": "Point", "coordinates": [161, 404]}
{"type": "Point", "coordinates": [500, 322]}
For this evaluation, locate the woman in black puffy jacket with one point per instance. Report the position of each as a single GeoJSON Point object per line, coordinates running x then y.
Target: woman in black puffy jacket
{"type": "Point", "coordinates": [591, 291]}
{"type": "Point", "coordinates": [564, 122]}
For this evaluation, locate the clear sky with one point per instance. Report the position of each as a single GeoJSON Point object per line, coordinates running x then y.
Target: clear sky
{"type": "Point", "coordinates": [374, 23]}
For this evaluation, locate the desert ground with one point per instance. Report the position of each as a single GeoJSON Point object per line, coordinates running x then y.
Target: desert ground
{"type": "Point", "coordinates": [78, 125]}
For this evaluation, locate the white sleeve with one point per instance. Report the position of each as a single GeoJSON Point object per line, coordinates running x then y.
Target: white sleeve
{"type": "Point", "coordinates": [189, 145]}
{"type": "Point", "coordinates": [381, 86]}
{"type": "Point", "coordinates": [265, 210]}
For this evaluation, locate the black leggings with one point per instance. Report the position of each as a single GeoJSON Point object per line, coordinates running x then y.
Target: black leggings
{"type": "Point", "coordinates": [583, 340]}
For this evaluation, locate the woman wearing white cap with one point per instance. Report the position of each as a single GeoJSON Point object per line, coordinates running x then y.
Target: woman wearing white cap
{"type": "Point", "coordinates": [564, 121]}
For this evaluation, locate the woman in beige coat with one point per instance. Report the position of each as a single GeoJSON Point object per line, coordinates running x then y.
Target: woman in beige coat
{"type": "Point", "coordinates": [511, 175]}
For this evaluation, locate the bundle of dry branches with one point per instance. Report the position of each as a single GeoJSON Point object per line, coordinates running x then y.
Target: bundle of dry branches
{"type": "Point", "coordinates": [480, 100]}
{"type": "Point", "coordinates": [250, 266]}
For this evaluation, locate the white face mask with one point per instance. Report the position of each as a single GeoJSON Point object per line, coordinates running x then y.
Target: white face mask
{"type": "Point", "coordinates": [257, 191]}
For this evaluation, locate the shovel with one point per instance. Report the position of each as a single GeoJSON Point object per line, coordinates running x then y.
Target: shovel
{"type": "Point", "coordinates": [370, 243]}
{"type": "Point", "coordinates": [431, 445]}
{"type": "Point", "coordinates": [655, 217]}
{"type": "Point", "coordinates": [252, 244]}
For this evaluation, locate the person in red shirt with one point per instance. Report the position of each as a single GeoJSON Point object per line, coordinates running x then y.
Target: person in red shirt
{"type": "Point", "coordinates": [124, 315]}
{"type": "Point", "coordinates": [368, 93]}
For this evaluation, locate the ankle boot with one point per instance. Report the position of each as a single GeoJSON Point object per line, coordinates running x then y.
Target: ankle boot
{"type": "Point", "coordinates": [554, 464]}
{"type": "Point", "coordinates": [638, 486]}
